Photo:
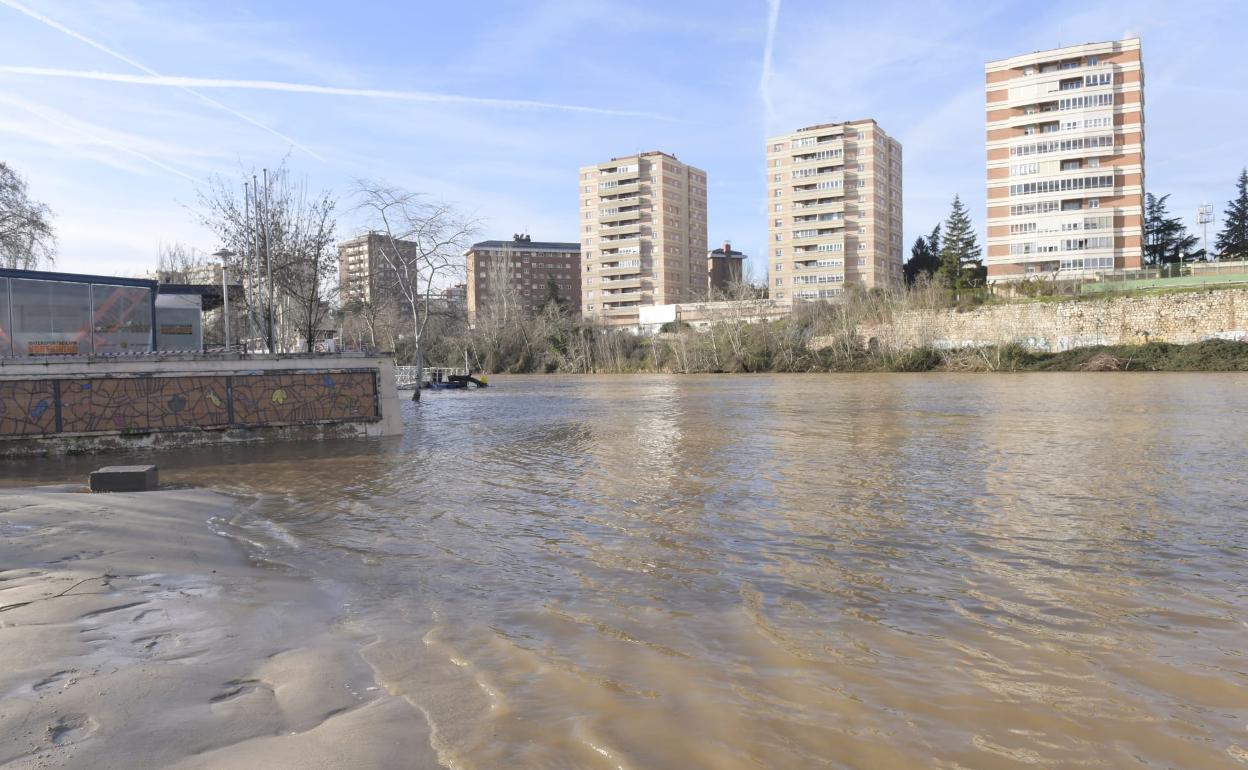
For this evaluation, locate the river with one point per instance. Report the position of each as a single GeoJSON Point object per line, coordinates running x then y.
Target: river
{"type": "Point", "coordinates": [858, 571]}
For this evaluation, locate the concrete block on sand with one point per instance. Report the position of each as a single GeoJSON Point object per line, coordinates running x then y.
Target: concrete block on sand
{"type": "Point", "coordinates": [124, 478]}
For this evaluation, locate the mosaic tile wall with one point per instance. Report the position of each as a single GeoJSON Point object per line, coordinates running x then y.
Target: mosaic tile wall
{"type": "Point", "coordinates": [146, 404]}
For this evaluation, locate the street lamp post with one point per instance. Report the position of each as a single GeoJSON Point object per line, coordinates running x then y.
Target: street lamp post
{"type": "Point", "coordinates": [224, 254]}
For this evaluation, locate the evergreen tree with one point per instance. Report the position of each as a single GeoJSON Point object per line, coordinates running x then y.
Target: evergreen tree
{"type": "Point", "coordinates": [552, 295]}
{"type": "Point", "coordinates": [924, 257]}
{"type": "Point", "coordinates": [1233, 240]}
{"type": "Point", "coordinates": [1165, 238]}
{"type": "Point", "coordinates": [960, 255]}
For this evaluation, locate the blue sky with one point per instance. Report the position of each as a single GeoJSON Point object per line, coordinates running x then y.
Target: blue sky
{"type": "Point", "coordinates": [494, 105]}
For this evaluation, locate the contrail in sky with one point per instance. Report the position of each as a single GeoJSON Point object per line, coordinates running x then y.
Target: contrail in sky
{"type": "Point", "coordinates": [764, 80]}
{"type": "Point", "coordinates": [188, 83]}
{"type": "Point", "coordinates": [56, 120]}
{"type": "Point", "coordinates": [139, 66]}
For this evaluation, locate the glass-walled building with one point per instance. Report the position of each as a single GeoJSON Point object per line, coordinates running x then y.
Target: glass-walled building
{"type": "Point", "coordinates": [51, 314]}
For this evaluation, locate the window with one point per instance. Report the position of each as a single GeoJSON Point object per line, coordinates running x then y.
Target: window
{"type": "Point", "coordinates": [779, 236]}
{"type": "Point", "coordinates": [778, 193]}
{"type": "Point", "coordinates": [1094, 203]}
{"type": "Point", "coordinates": [1083, 102]}
{"type": "Point", "coordinates": [779, 281]}
{"type": "Point", "coordinates": [779, 207]}
{"type": "Point", "coordinates": [776, 178]}
{"type": "Point", "coordinates": [776, 147]}
{"type": "Point", "coordinates": [1062, 185]}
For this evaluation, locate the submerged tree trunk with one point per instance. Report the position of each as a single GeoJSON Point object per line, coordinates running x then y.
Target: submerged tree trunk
{"type": "Point", "coordinates": [420, 355]}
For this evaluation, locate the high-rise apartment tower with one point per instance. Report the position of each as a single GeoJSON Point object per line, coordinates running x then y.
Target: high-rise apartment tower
{"type": "Point", "coordinates": [643, 235]}
{"type": "Point", "coordinates": [833, 210]}
{"type": "Point", "coordinates": [1066, 161]}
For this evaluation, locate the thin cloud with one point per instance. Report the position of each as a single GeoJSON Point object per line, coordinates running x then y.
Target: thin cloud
{"type": "Point", "coordinates": [91, 133]}
{"type": "Point", "coordinates": [764, 80]}
{"type": "Point", "coordinates": [186, 83]}
{"type": "Point", "coordinates": [140, 66]}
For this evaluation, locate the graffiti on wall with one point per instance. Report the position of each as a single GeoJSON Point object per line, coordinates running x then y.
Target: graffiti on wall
{"type": "Point", "coordinates": [310, 397]}
{"type": "Point", "coordinates": [188, 402]}
{"type": "Point", "coordinates": [27, 408]}
{"type": "Point", "coordinates": [143, 404]}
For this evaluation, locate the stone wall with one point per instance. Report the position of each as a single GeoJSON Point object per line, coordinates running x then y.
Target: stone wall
{"type": "Point", "coordinates": [54, 404]}
{"type": "Point", "coordinates": [1056, 326]}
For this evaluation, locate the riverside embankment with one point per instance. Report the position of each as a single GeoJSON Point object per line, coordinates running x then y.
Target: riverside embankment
{"type": "Point", "coordinates": [878, 331]}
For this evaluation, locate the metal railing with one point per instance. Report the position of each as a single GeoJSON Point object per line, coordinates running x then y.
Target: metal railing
{"type": "Point", "coordinates": [405, 377]}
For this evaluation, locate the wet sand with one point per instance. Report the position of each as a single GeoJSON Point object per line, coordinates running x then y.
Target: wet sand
{"type": "Point", "coordinates": [134, 635]}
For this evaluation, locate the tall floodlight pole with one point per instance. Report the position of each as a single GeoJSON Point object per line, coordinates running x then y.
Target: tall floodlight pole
{"type": "Point", "coordinates": [268, 257]}
{"type": "Point", "coordinates": [1205, 218]}
{"type": "Point", "coordinates": [262, 323]}
{"type": "Point", "coordinates": [249, 284]}
{"type": "Point", "coordinates": [223, 255]}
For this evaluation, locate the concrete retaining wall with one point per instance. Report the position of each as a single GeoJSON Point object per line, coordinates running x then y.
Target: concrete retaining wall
{"type": "Point", "coordinates": [1056, 326]}
{"type": "Point", "coordinates": [80, 404]}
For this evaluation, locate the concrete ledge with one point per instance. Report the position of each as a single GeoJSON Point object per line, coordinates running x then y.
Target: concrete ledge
{"type": "Point", "coordinates": [124, 478]}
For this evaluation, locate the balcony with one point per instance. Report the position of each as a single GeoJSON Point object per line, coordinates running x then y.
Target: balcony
{"type": "Point", "coordinates": [832, 152]}
{"type": "Point", "coordinates": [623, 228]}
{"type": "Point", "coordinates": [626, 242]}
{"type": "Point", "coordinates": [814, 206]}
{"type": "Point", "coordinates": [620, 270]}
{"type": "Point", "coordinates": [620, 216]}
{"type": "Point", "coordinates": [633, 282]}
{"type": "Point", "coordinates": [624, 188]}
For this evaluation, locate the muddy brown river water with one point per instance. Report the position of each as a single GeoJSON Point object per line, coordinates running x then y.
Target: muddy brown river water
{"type": "Point", "coordinates": [892, 571]}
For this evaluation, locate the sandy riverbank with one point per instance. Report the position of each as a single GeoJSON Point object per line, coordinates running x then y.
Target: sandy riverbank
{"type": "Point", "coordinates": [134, 636]}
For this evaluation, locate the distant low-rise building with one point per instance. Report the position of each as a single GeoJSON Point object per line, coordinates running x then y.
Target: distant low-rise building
{"type": "Point", "coordinates": [653, 319]}
{"type": "Point", "coordinates": [724, 268]}
{"type": "Point", "coordinates": [521, 270]}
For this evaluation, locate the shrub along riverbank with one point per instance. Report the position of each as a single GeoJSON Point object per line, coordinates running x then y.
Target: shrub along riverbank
{"type": "Point", "coordinates": [554, 342]}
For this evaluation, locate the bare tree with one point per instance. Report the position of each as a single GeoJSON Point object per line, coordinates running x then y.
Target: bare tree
{"type": "Point", "coordinates": [179, 263]}
{"type": "Point", "coordinates": [373, 320]}
{"type": "Point", "coordinates": [425, 242]}
{"type": "Point", "coordinates": [307, 268]}
{"type": "Point", "coordinates": [26, 236]}
{"type": "Point", "coordinates": [281, 240]}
